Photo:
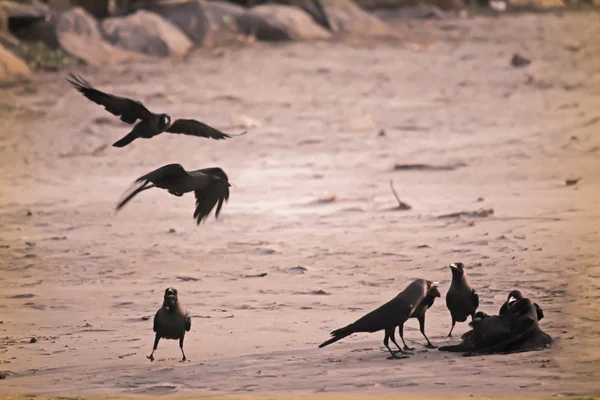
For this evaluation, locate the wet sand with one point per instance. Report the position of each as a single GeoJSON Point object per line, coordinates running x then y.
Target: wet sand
{"type": "Point", "coordinates": [311, 208]}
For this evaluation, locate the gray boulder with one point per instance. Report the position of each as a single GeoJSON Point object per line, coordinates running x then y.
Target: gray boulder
{"type": "Point", "coordinates": [277, 22]}
{"type": "Point", "coordinates": [148, 33]}
{"type": "Point", "coordinates": [205, 23]}
{"type": "Point", "coordinates": [348, 19]}
{"type": "Point", "coordinates": [78, 34]}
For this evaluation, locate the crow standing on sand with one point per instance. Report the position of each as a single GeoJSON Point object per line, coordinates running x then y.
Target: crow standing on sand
{"type": "Point", "coordinates": [150, 124]}
{"type": "Point", "coordinates": [419, 313]}
{"type": "Point", "coordinates": [171, 321]}
{"type": "Point", "coordinates": [515, 296]}
{"type": "Point", "coordinates": [461, 299]}
{"type": "Point", "coordinates": [210, 185]}
{"type": "Point", "coordinates": [388, 316]}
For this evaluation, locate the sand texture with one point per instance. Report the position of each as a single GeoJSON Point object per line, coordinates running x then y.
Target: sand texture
{"type": "Point", "coordinates": [310, 239]}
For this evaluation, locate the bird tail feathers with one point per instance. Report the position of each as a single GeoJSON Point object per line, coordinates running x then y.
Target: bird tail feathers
{"type": "Point", "coordinates": [132, 194]}
{"type": "Point", "coordinates": [338, 334]}
{"type": "Point", "coordinates": [130, 137]}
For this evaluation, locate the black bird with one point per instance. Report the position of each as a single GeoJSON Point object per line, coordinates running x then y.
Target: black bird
{"type": "Point", "coordinates": [210, 185]}
{"type": "Point", "coordinates": [171, 321]}
{"type": "Point", "coordinates": [461, 299]}
{"type": "Point", "coordinates": [150, 124]}
{"type": "Point", "coordinates": [515, 331]}
{"type": "Point", "coordinates": [388, 316]}
{"type": "Point", "coordinates": [419, 313]}
{"type": "Point", "coordinates": [513, 297]}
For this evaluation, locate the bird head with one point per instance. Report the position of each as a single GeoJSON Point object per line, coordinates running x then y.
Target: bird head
{"type": "Point", "coordinates": [170, 299]}
{"type": "Point", "coordinates": [433, 289]}
{"type": "Point", "coordinates": [458, 270]}
{"type": "Point", "coordinates": [514, 296]}
{"type": "Point", "coordinates": [164, 121]}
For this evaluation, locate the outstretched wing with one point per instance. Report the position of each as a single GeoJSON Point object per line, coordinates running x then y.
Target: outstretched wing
{"type": "Point", "coordinates": [215, 193]}
{"type": "Point", "coordinates": [163, 177]}
{"type": "Point", "coordinates": [197, 128]}
{"type": "Point", "coordinates": [169, 173]}
{"type": "Point", "coordinates": [129, 110]}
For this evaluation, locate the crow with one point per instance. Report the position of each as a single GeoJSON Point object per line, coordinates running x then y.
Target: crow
{"type": "Point", "coordinates": [388, 316]}
{"type": "Point", "coordinates": [515, 296]}
{"type": "Point", "coordinates": [210, 186]}
{"type": "Point", "coordinates": [461, 299]}
{"type": "Point", "coordinates": [150, 124]}
{"type": "Point", "coordinates": [419, 313]}
{"type": "Point", "coordinates": [171, 321]}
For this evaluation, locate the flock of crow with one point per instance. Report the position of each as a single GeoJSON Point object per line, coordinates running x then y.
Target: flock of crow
{"type": "Point", "coordinates": [514, 329]}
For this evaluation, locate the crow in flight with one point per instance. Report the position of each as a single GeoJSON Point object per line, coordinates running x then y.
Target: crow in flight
{"type": "Point", "coordinates": [150, 124]}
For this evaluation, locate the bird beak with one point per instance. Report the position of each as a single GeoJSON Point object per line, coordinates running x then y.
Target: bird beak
{"type": "Point", "coordinates": [453, 267]}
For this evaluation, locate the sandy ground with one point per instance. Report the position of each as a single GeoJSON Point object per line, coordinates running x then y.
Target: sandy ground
{"type": "Point", "coordinates": [83, 280]}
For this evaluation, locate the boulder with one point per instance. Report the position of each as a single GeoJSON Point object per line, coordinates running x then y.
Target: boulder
{"type": "Point", "coordinates": [11, 65]}
{"type": "Point", "coordinates": [205, 23]}
{"type": "Point", "coordinates": [17, 15]}
{"type": "Point", "coordinates": [146, 32]}
{"type": "Point", "coordinates": [78, 34]}
{"type": "Point", "coordinates": [536, 5]}
{"type": "Point", "coordinates": [348, 19]}
{"type": "Point", "coordinates": [276, 22]}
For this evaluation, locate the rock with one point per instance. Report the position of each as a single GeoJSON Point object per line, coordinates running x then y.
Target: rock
{"type": "Point", "coordinates": [418, 11]}
{"type": "Point", "coordinates": [19, 15]}
{"type": "Point", "coordinates": [78, 34]}
{"type": "Point", "coordinates": [205, 23]}
{"type": "Point", "coordinates": [519, 61]}
{"type": "Point", "coordinates": [537, 5]}
{"type": "Point", "coordinates": [146, 32]}
{"type": "Point", "coordinates": [395, 4]}
{"type": "Point", "coordinates": [11, 65]}
{"type": "Point", "coordinates": [40, 31]}
{"type": "Point", "coordinates": [348, 19]}
{"type": "Point", "coordinates": [276, 22]}
{"type": "Point", "coordinates": [3, 21]}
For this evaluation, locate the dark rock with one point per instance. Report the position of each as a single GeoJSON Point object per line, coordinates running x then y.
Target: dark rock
{"type": "Point", "coordinates": [19, 14]}
{"type": "Point", "coordinates": [276, 22]}
{"type": "Point", "coordinates": [519, 61]}
{"type": "Point", "coordinates": [205, 23]}
{"type": "Point", "coordinates": [146, 32]}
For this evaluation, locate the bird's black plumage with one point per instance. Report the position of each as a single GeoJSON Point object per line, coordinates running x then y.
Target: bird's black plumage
{"type": "Point", "coordinates": [512, 298]}
{"type": "Point", "coordinates": [210, 186]}
{"type": "Point", "coordinates": [171, 321]}
{"type": "Point", "coordinates": [388, 316]}
{"type": "Point", "coordinates": [419, 314]}
{"type": "Point", "coordinates": [462, 300]}
{"type": "Point", "coordinates": [516, 330]}
{"type": "Point", "coordinates": [150, 124]}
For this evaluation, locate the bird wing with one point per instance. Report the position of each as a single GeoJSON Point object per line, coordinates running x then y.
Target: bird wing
{"type": "Point", "coordinates": [197, 128]}
{"type": "Point", "coordinates": [155, 326]}
{"type": "Point", "coordinates": [163, 177]}
{"type": "Point", "coordinates": [475, 299]}
{"type": "Point", "coordinates": [129, 110]}
{"type": "Point", "coordinates": [391, 313]}
{"type": "Point", "coordinates": [215, 193]}
{"type": "Point", "coordinates": [188, 322]}
{"type": "Point", "coordinates": [165, 174]}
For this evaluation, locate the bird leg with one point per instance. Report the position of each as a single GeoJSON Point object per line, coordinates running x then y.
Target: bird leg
{"type": "Point", "coordinates": [401, 333]}
{"type": "Point", "coordinates": [151, 356]}
{"type": "Point", "coordinates": [422, 328]}
{"type": "Point", "coordinates": [388, 333]}
{"type": "Point", "coordinates": [181, 347]}
{"type": "Point", "coordinates": [453, 323]}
